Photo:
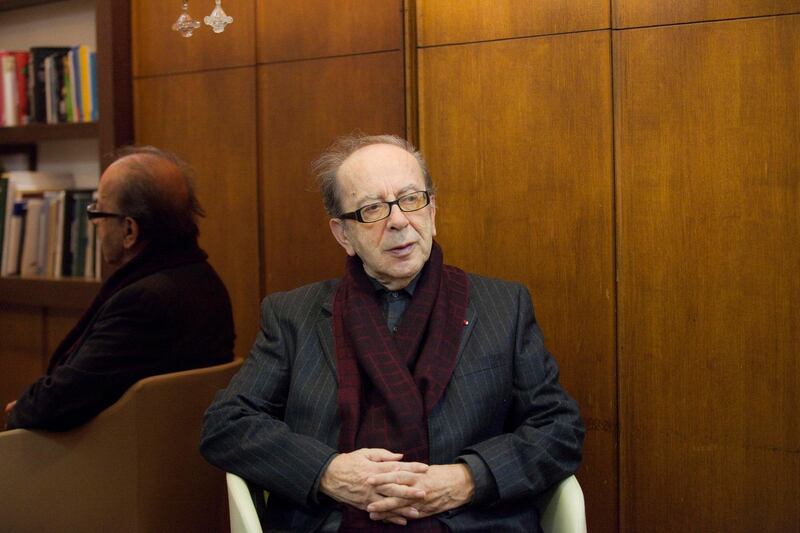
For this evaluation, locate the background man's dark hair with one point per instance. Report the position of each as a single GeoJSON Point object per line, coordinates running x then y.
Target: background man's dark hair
{"type": "Point", "coordinates": [164, 219]}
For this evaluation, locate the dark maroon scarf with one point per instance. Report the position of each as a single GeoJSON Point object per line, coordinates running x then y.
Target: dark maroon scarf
{"type": "Point", "coordinates": [389, 385]}
{"type": "Point", "coordinates": [149, 261]}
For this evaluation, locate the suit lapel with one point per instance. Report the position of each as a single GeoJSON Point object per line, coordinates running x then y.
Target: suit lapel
{"type": "Point", "coordinates": [325, 332]}
{"type": "Point", "coordinates": [472, 316]}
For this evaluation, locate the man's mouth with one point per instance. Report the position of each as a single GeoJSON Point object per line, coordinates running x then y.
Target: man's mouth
{"type": "Point", "coordinates": [402, 250]}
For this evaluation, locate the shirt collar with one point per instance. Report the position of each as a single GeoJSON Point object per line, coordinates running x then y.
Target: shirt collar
{"type": "Point", "coordinates": [408, 289]}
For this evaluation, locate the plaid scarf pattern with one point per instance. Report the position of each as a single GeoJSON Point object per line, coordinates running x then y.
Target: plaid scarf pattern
{"type": "Point", "coordinates": [388, 385]}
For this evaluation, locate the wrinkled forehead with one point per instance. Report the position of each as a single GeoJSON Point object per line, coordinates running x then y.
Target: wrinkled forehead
{"type": "Point", "coordinates": [380, 162]}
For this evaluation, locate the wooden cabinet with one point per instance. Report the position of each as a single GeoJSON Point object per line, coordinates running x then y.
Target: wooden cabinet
{"type": "Point", "coordinates": [518, 137]}
{"type": "Point", "coordinates": [441, 22]}
{"type": "Point", "coordinates": [158, 50]}
{"type": "Point", "coordinates": [707, 228]}
{"type": "Point", "coordinates": [637, 13]}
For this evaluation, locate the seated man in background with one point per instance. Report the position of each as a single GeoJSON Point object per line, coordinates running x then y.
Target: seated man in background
{"type": "Point", "coordinates": [408, 393]}
{"type": "Point", "coordinates": [163, 310]}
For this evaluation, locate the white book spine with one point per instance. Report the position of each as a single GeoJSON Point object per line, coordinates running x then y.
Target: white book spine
{"type": "Point", "coordinates": [9, 73]}
{"type": "Point", "coordinates": [41, 252]}
{"type": "Point", "coordinates": [11, 193]}
{"type": "Point", "coordinates": [15, 238]}
{"type": "Point", "coordinates": [58, 256]}
{"type": "Point", "coordinates": [30, 238]}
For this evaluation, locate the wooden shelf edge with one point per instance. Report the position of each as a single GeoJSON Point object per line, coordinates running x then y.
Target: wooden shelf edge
{"type": "Point", "coordinates": [32, 133]}
{"type": "Point", "coordinates": [7, 5]}
{"type": "Point", "coordinates": [67, 293]}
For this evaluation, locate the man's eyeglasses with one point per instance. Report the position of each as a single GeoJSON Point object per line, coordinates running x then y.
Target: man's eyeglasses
{"type": "Point", "coordinates": [93, 213]}
{"type": "Point", "coordinates": [413, 201]}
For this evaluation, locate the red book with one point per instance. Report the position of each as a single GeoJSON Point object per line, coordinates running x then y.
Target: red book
{"type": "Point", "coordinates": [22, 57]}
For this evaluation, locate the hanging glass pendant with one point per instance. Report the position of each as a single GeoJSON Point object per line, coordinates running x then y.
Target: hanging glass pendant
{"type": "Point", "coordinates": [185, 23]}
{"type": "Point", "coordinates": [218, 19]}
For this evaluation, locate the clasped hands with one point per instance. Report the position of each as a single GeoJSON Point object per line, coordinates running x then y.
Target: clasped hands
{"type": "Point", "coordinates": [377, 481]}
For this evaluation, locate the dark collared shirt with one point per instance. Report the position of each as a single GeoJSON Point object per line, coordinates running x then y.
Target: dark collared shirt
{"type": "Point", "coordinates": [396, 302]}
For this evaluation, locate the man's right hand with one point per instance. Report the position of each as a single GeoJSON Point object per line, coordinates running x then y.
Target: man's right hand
{"type": "Point", "coordinates": [345, 479]}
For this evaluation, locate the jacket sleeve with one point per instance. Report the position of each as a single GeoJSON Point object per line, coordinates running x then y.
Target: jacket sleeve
{"type": "Point", "coordinates": [244, 432]}
{"type": "Point", "coordinates": [544, 432]}
{"type": "Point", "coordinates": [124, 344]}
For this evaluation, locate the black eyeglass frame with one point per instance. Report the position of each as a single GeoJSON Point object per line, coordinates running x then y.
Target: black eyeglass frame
{"type": "Point", "coordinates": [93, 214]}
{"type": "Point", "coordinates": [356, 215]}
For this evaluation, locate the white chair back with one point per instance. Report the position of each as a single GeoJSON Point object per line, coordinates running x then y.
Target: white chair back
{"type": "Point", "coordinates": [562, 509]}
{"type": "Point", "coordinates": [244, 518]}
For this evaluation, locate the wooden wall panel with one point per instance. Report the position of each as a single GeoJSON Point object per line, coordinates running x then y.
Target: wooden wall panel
{"type": "Point", "coordinates": [21, 337]}
{"type": "Point", "coordinates": [305, 29]}
{"type": "Point", "coordinates": [157, 49]}
{"type": "Point", "coordinates": [518, 139]}
{"type": "Point", "coordinates": [707, 137]}
{"type": "Point", "coordinates": [462, 21]}
{"type": "Point", "coordinates": [210, 120]}
{"type": "Point", "coordinates": [631, 13]}
{"type": "Point", "coordinates": [303, 107]}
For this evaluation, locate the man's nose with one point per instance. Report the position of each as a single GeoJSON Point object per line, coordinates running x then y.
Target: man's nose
{"type": "Point", "coordinates": [397, 218]}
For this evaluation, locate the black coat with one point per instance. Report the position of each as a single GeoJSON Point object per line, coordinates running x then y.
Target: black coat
{"type": "Point", "coordinates": [277, 424]}
{"type": "Point", "coordinates": [177, 318]}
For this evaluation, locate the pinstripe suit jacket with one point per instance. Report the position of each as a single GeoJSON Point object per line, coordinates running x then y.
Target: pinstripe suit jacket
{"type": "Point", "coordinates": [276, 424]}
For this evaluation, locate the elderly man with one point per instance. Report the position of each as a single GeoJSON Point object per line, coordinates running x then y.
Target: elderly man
{"type": "Point", "coordinates": [164, 309]}
{"type": "Point", "coordinates": [407, 394]}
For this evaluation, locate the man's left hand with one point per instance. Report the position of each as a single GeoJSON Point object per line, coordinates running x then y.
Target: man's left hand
{"type": "Point", "coordinates": [7, 411]}
{"type": "Point", "coordinates": [445, 486]}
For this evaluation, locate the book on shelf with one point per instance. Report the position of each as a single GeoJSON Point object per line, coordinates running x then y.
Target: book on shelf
{"type": "Point", "coordinates": [55, 221]}
{"type": "Point", "coordinates": [8, 81]}
{"type": "Point", "coordinates": [29, 245]}
{"type": "Point", "coordinates": [13, 87]}
{"type": "Point", "coordinates": [48, 84]}
{"type": "Point", "coordinates": [3, 207]}
{"type": "Point", "coordinates": [87, 71]}
{"type": "Point", "coordinates": [78, 232]}
{"type": "Point", "coordinates": [45, 228]}
{"type": "Point", "coordinates": [17, 185]}
{"type": "Point", "coordinates": [37, 81]}
{"type": "Point", "coordinates": [15, 230]}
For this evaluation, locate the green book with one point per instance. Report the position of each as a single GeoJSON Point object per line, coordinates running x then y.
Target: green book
{"type": "Point", "coordinates": [79, 235]}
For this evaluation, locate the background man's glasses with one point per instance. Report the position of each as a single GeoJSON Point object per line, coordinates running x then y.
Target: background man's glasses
{"type": "Point", "coordinates": [93, 213]}
{"type": "Point", "coordinates": [413, 201]}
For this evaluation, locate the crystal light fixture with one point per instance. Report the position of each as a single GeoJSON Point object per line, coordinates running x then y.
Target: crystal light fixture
{"type": "Point", "coordinates": [185, 23]}
{"type": "Point", "coordinates": [218, 19]}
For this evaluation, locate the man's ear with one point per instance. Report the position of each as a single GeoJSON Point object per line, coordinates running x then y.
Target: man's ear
{"type": "Point", "coordinates": [131, 236]}
{"type": "Point", "coordinates": [340, 234]}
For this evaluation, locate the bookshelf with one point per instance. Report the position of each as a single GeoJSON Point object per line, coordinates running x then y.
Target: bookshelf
{"type": "Point", "coordinates": [6, 5]}
{"type": "Point", "coordinates": [69, 293]}
{"type": "Point", "coordinates": [113, 129]}
{"type": "Point", "coordinates": [33, 133]}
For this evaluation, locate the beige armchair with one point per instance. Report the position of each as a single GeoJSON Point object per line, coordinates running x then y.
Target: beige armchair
{"type": "Point", "coordinates": [561, 507]}
{"type": "Point", "coordinates": [135, 467]}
